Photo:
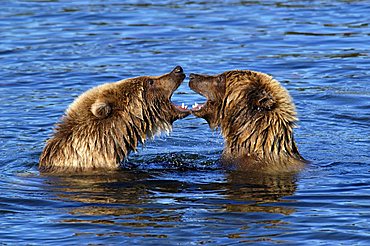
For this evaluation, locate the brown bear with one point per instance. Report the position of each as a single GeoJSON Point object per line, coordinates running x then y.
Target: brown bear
{"type": "Point", "coordinates": [256, 116]}
{"type": "Point", "coordinates": [105, 123]}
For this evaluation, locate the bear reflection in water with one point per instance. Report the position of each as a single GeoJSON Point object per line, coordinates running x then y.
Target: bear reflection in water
{"type": "Point", "coordinates": [158, 198]}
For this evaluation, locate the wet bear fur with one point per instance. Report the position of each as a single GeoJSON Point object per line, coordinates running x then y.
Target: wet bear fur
{"type": "Point", "coordinates": [256, 116]}
{"type": "Point", "coordinates": [102, 126]}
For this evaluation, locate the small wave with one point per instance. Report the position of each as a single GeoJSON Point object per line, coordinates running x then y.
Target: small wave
{"type": "Point", "coordinates": [173, 161]}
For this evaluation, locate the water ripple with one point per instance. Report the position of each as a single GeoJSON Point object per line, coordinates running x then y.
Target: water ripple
{"type": "Point", "coordinates": [173, 191]}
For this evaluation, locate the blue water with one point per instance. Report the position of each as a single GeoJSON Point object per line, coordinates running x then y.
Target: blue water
{"type": "Point", "coordinates": [173, 192]}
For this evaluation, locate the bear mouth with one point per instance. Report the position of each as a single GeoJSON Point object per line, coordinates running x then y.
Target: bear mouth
{"type": "Point", "coordinates": [197, 106]}
{"type": "Point", "coordinates": [182, 107]}
{"type": "Point", "coordinates": [193, 84]}
{"type": "Point", "coordinates": [179, 111]}
{"type": "Point", "coordinates": [185, 108]}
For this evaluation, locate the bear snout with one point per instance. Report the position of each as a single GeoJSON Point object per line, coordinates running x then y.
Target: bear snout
{"type": "Point", "coordinates": [193, 76]}
{"type": "Point", "coordinates": [178, 74]}
{"type": "Point", "coordinates": [197, 82]}
{"type": "Point", "coordinates": [178, 70]}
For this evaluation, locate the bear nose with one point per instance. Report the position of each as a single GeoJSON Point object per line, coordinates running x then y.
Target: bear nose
{"type": "Point", "coordinates": [178, 69]}
{"type": "Point", "coordinates": [192, 76]}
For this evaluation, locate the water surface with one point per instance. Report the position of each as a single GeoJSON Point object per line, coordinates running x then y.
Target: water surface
{"type": "Point", "coordinates": [173, 192]}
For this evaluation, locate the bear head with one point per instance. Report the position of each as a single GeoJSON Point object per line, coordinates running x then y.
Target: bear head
{"type": "Point", "coordinates": [105, 123]}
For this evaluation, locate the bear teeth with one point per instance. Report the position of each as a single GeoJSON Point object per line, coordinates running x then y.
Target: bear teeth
{"type": "Point", "coordinates": [197, 106]}
{"type": "Point", "coordinates": [183, 106]}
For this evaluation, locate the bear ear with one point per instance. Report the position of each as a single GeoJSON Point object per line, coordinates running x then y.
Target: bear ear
{"type": "Point", "coordinates": [265, 101]}
{"type": "Point", "coordinates": [101, 109]}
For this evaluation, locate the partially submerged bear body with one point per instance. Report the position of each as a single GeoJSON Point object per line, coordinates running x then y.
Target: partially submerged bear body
{"type": "Point", "coordinates": [105, 123]}
{"type": "Point", "coordinates": [256, 116]}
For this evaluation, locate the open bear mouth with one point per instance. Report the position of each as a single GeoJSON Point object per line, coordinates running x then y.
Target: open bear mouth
{"type": "Point", "coordinates": [197, 107]}
{"type": "Point", "coordinates": [182, 107]}
{"type": "Point", "coordinates": [185, 108]}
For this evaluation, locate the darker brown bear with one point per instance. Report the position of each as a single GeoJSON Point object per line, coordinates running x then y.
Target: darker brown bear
{"type": "Point", "coordinates": [256, 116]}
{"type": "Point", "coordinates": [105, 123]}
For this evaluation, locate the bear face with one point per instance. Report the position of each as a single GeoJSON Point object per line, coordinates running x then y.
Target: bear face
{"type": "Point", "coordinates": [256, 116]}
{"type": "Point", "coordinates": [105, 123]}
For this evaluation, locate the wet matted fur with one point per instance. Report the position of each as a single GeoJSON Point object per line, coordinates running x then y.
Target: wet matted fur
{"type": "Point", "coordinates": [256, 116]}
{"type": "Point", "coordinates": [105, 123]}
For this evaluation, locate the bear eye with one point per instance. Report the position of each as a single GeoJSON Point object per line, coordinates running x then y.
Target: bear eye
{"type": "Point", "coordinates": [150, 82]}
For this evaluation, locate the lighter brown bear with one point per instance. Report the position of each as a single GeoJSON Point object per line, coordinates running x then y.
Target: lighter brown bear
{"type": "Point", "coordinates": [105, 123]}
{"type": "Point", "coordinates": [256, 116]}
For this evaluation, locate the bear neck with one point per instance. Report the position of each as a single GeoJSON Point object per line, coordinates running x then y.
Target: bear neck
{"type": "Point", "coordinates": [264, 136]}
{"type": "Point", "coordinates": [81, 144]}
{"type": "Point", "coordinates": [95, 145]}
{"type": "Point", "coordinates": [259, 132]}
{"type": "Point", "coordinates": [261, 138]}
{"type": "Point", "coordinates": [161, 115]}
